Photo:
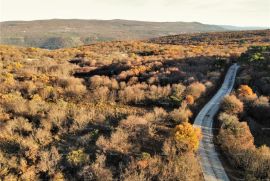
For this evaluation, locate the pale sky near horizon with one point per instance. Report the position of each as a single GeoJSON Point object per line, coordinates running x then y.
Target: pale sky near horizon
{"type": "Point", "coordinates": [224, 12]}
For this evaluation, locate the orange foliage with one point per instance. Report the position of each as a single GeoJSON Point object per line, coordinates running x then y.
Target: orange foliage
{"type": "Point", "coordinates": [190, 99]}
{"type": "Point", "coordinates": [245, 90]}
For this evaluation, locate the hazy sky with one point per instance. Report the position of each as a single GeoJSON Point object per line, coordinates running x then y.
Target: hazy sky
{"type": "Point", "coordinates": [230, 12]}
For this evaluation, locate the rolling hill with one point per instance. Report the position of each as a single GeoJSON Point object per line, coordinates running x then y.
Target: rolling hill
{"type": "Point", "coordinates": [57, 33]}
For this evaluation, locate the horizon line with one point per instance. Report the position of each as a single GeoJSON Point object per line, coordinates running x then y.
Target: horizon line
{"type": "Point", "coordinates": [240, 26]}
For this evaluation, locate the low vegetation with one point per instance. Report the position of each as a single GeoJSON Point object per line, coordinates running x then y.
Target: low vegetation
{"type": "Point", "coordinates": [244, 118]}
{"type": "Point", "coordinates": [116, 110]}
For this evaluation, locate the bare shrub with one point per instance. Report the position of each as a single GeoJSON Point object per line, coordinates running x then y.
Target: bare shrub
{"type": "Point", "coordinates": [3, 115]}
{"type": "Point", "coordinates": [49, 161]}
{"type": "Point", "coordinates": [175, 166]}
{"type": "Point", "coordinates": [180, 115]}
{"type": "Point", "coordinates": [58, 114]}
{"type": "Point", "coordinates": [237, 142]}
{"type": "Point", "coordinates": [19, 126]}
{"type": "Point", "coordinates": [231, 104]}
{"type": "Point", "coordinates": [73, 86]}
{"type": "Point", "coordinates": [133, 93]}
{"type": "Point", "coordinates": [100, 81]}
{"type": "Point", "coordinates": [158, 114]}
{"type": "Point", "coordinates": [43, 136]}
{"type": "Point", "coordinates": [196, 89]}
{"type": "Point", "coordinates": [133, 122]}
{"type": "Point", "coordinates": [260, 110]}
{"type": "Point", "coordinates": [157, 92]}
{"type": "Point", "coordinates": [101, 93]}
{"type": "Point", "coordinates": [81, 117]}
{"type": "Point", "coordinates": [97, 170]}
{"type": "Point", "coordinates": [178, 91]}
{"type": "Point", "coordinates": [37, 106]}
{"type": "Point", "coordinates": [15, 103]}
{"type": "Point", "coordinates": [227, 119]}
{"type": "Point", "coordinates": [118, 142]}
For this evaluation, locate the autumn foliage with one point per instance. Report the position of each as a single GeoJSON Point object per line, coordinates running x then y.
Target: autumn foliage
{"type": "Point", "coordinates": [108, 110]}
{"type": "Point", "coordinates": [188, 136]}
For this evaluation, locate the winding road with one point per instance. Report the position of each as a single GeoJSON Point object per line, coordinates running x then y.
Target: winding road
{"type": "Point", "coordinates": [211, 165]}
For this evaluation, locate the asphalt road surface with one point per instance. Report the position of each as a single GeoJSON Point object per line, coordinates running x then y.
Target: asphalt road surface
{"type": "Point", "coordinates": [209, 159]}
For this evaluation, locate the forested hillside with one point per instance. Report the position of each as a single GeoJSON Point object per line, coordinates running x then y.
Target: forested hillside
{"type": "Point", "coordinates": [57, 33]}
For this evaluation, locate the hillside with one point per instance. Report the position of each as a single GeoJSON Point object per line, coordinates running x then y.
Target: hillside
{"type": "Point", "coordinates": [59, 33]}
{"type": "Point", "coordinates": [216, 38]}
{"type": "Point", "coordinates": [120, 110]}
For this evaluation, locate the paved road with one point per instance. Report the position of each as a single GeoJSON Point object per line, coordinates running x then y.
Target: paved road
{"type": "Point", "coordinates": [209, 159]}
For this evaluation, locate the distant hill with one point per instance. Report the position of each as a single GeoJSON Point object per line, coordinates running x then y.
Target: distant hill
{"type": "Point", "coordinates": [242, 28]}
{"type": "Point", "coordinates": [57, 33]}
{"type": "Point", "coordinates": [216, 38]}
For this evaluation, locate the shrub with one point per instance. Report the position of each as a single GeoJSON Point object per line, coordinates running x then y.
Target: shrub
{"type": "Point", "coordinates": [260, 110]}
{"type": "Point", "coordinates": [227, 119]}
{"type": "Point", "coordinates": [19, 126]}
{"type": "Point", "coordinates": [97, 170]}
{"type": "Point", "coordinates": [15, 103]}
{"type": "Point", "coordinates": [58, 114]}
{"type": "Point", "coordinates": [160, 113]}
{"type": "Point", "coordinates": [77, 157]}
{"type": "Point", "coordinates": [133, 122]}
{"type": "Point", "coordinates": [158, 92]}
{"type": "Point", "coordinates": [118, 142]}
{"type": "Point", "coordinates": [133, 94]}
{"type": "Point", "coordinates": [196, 89]}
{"type": "Point", "coordinates": [232, 105]}
{"type": "Point", "coordinates": [98, 81]}
{"type": "Point", "coordinates": [37, 106]}
{"type": "Point", "coordinates": [245, 90]}
{"type": "Point", "coordinates": [43, 136]}
{"type": "Point", "coordinates": [187, 137]}
{"type": "Point", "coordinates": [101, 94]}
{"type": "Point", "coordinates": [181, 114]}
{"type": "Point", "coordinates": [58, 176]}
{"type": "Point", "coordinates": [73, 86]}
{"type": "Point", "coordinates": [178, 91]}
{"type": "Point", "coordinates": [50, 159]}
{"type": "Point", "coordinates": [3, 115]}
{"type": "Point", "coordinates": [190, 99]}
{"type": "Point", "coordinates": [246, 93]}
{"type": "Point", "coordinates": [237, 142]}
{"type": "Point", "coordinates": [81, 117]}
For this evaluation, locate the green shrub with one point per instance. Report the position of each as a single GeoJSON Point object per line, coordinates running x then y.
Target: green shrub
{"type": "Point", "coordinates": [77, 157]}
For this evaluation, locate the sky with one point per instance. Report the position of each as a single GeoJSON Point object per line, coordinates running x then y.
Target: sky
{"type": "Point", "coordinates": [222, 12]}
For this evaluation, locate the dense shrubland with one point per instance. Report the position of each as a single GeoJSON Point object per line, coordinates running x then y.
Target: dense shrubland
{"type": "Point", "coordinates": [244, 117]}
{"type": "Point", "coordinates": [236, 139]}
{"type": "Point", "coordinates": [216, 38]}
{"type": "Point", "coordinates": [116, 110]}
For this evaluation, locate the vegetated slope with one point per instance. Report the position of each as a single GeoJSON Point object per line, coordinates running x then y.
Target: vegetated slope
{"type": "Point", "coordinates": [114, 110]}
{"type": "Point", "coordinates": [216, 38]}
{"type": "Point", "coordinates": [56, 33]}
{"type": "Point", "coordinates": [244, 118]}
{"type": "Point", "coordinates": [255, 75]}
